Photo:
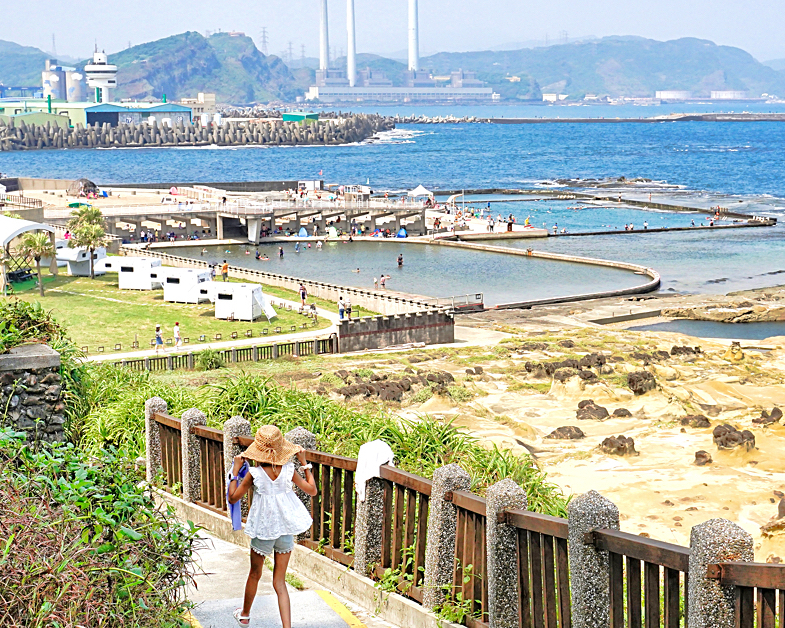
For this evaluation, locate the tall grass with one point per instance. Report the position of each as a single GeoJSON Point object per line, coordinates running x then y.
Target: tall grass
{"type": "Point", "coordinates": [116, 417]}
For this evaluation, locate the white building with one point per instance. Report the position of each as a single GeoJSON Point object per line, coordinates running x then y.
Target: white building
{"type": "Point", "coordinates": [728, 95]}
{"type": "Point", "coordinates": [101, 76]}
{"type": "Point", "coordinates": [554, 97]}
{"type": "Point", "coordinates": [398, 94]}
{"type": "Point", "coordinates": [181, 285]}
{"type": "Point", "coordinates": [240, 301]}
{"type": "Point", "coordinates": [134, 273]}
{"type": "Point", "coordinates": [673, 94]}
{"type": "Point", "coordinates": [78, 260]}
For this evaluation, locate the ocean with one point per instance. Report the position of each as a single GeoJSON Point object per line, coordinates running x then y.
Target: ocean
{"type": "Point", "coordinates": [735, 164]}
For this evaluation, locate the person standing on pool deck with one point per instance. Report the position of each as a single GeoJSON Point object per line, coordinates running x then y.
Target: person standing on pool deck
{"type": "Point", "coordinates": [400, 259]}
{"type": "Point", "coordinates": [178, 341]}
{"type": "Point", "coordinates": [225, 271]}
{"type": "Point", "coordinates": [159, 339]}
{"type": "Point", "coordinates": [341, 307]}
{"type": "Point", "coordinates": [303, 294]}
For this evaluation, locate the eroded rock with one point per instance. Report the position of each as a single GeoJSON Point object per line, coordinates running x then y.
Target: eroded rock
{"type": "Point", "coordinates": [695, 420]}
{"type": "Point", "coordinates": [619, 446]}
{"type": "Point", "coordinates": [641, 382]}
{"type": "Point", "coordinates": [590, 411]}
{"type": "Point", "coordinates": [702, 458]}
{"type": "Point", "coordinates": [728, 437]}
{"type": "Point", "coordinates": [622, 413]}
{"type": "Point", "coordinates": [567, 432]}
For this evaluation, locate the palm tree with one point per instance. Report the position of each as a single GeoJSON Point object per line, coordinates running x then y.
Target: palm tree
{"type": "Point", "coordinates": [37, 245]}
{"type": "Point", "coordinates": [89, 236]}
{"type": "Point", "coordinates": [85, 215]}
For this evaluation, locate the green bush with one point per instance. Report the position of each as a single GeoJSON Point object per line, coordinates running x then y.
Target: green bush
{"type": "Point", "coordinates": [459, 394]}
{"type": "Point", "coordinates": [422, 395]}
{"type": "Point", "coordinates": [209, 360]}
{"type": "Point", "coordinates": [84, 543]}
{"type": "Point", "coordinates": [21, 322]}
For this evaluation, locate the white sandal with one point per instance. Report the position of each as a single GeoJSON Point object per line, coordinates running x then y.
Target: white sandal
{"type": "Point", "coordinates": [238, 615]}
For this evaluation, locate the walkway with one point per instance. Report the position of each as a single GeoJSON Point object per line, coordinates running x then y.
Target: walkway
{"type": "Point", "coordinates": [220, 589]}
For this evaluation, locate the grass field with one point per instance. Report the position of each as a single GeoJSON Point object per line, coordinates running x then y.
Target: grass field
{"type": "Point", "coordinates": [96, 313]}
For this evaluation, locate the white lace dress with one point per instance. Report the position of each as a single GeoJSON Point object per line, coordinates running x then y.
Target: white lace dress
{"type": "Point", "coordinates": [275, 510]}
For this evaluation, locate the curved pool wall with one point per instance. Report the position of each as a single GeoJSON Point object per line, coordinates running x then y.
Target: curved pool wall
{"type": "Point", "coordinates": [438, 269]}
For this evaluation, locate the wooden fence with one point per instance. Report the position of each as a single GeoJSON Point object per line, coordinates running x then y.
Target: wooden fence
{"type": "Point", "coordinates": [648, 579]}
{"type": "Point", "coordinates": [234, 355]}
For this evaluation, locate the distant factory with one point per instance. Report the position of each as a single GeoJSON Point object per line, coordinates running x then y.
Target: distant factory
{"type": "Point", "coordinates": [333, 85]}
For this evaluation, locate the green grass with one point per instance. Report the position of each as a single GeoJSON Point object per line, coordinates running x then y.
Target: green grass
{"type": "Point", "coordinates": [96, 313]}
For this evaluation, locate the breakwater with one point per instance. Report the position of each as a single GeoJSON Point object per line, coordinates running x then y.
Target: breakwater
{"type": "Point", "coordinates": [347, 130]}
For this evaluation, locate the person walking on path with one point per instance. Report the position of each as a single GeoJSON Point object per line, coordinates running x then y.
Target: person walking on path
{"type": "Point", "coordinates": [159, 339]}
{"type": "Point", "coordinates": [225, 271]}
{"type": "Point", "coordinates": [276, 515]}
{"type": "Point", "coordinates": [178, 341]}
{"type": "Point", "coordinates": [341, 307]}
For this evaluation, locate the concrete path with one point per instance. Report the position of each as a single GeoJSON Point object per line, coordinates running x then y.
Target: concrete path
{"type": "Point", "coordinates": [220, 588]}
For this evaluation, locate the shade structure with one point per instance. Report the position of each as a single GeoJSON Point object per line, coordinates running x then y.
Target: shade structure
{"type": "Point", "coordinates": [420, 191]}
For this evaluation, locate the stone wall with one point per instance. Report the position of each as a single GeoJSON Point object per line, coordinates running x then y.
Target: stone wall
{"type": "Point", "coordinates": [30, 392]}
{"type": "Point", "coordinates": [431, 327]}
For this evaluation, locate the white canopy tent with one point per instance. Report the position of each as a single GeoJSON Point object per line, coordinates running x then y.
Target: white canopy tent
{"type": "Point", "coordinates": [11, 228]}
{"type": "Point", "coordinates": [420, 191]}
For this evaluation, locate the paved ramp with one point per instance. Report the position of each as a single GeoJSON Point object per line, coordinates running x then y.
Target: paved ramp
{"type": "Point", "coordinates": [310, 609]}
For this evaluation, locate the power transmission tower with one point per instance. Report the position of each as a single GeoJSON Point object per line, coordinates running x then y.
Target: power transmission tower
{"type": "Point", "coordinates": [565, 39]}
{"type": "Point", "coordinates": [291, 53]}
{"type": "Point", "coordinates": [54, 47]}
{"type": "Point", "coordinates": [264, 40]}
{"type": "Point", "coordinates": [302, 54]}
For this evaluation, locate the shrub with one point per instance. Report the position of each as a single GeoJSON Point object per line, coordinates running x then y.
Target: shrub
{"type": "Point", "coordinates": [209, 360]}
{"type": "Point", "coordinates": [459, 394]}
{"type": "Point", "coordinates": [21, 321]}
{"type": "Point", "coordinates": [84, 543]}
{"type": "Point", "coordinates": [422, 395]}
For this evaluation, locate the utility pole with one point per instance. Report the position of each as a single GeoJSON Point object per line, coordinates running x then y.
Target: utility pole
{"type": "Point", "coordinates": [264, 40]}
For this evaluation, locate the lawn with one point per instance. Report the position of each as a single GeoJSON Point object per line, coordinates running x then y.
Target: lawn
{"type": "Point", "coordinates": [97, 313]}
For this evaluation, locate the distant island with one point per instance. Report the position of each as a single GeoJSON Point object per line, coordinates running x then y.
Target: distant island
{"type": "Point", "coordinates": [231, 66]}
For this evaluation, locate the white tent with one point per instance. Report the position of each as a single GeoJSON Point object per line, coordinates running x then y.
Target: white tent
{"type": "Point", "coordinates": [139, 273]}
{"type": "Point", "coordinates": [11, 228]}
{"type": "Point", "coordinates": [239, 301]}
{"type": "Point", "coordinates": [182, 285]}
{"type": "Point", "coordinates": [78, 260]}
{"type": "Point", "coordinates": [420, 191]}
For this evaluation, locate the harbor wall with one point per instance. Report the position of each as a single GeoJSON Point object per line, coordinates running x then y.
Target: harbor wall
{"type": "Point", "coordinates": [379, 332]}
{"type": "Point", "coordinates": [349, 129]}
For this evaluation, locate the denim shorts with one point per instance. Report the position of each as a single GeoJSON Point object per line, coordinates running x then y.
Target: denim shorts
{"type": "Point", "coordinates": [282, 545]}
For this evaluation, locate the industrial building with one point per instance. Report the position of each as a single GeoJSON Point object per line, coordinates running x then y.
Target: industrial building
{"type": "Point", "coordinates": [333, 85]}
{"type": "Point", "coordinates": [62, 83]}
{"type": "Point", "coordinates": [85, 113]}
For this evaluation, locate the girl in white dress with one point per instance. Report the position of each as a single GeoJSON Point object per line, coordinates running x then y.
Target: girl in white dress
{"type": "Point", "coordinates": [276, 515]}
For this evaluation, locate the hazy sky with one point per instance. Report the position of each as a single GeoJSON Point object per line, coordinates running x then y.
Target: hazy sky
{"type": "Point", "coordinates": [449, 25]}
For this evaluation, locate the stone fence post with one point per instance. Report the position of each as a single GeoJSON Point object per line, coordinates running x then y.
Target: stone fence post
{"type": "Point", "coordinates": [440, 542]}
{"type": "Point", "coordinates": [191, 454]}
{"type": "Point", "coordinates": [306, 440]}
{"type": "Point", "coordinates": [501, 543]}
{"type": "Point", "coordinates": [714, 541]}
{"type": "Point", "coordinates": [152, 435]}
{"type": "Point", "coordinates": [589, 567]}
{"type": "Point", "coordinates": [235, 426]}
{"type": "Point", "coordinates": [368, 528]}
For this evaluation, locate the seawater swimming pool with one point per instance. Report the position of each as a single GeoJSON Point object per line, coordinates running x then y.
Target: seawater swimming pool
{"type": "Point", "coordinates": [428, 270]}
{"type": "Point", "coordinates": [714, 329]}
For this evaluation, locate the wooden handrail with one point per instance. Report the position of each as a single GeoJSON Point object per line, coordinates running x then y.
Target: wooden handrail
{"type": "Point", "coordinates": [169, 421]}
{"type": "Point", "coordinates": [406, 479]}
{"type": "Point", "coordinates": [743, 574]}
{"type": "Point", "coordinates": [535, 522]}
{"type": "Point", "coordinates": [467, 501]}
{"type": "Point", "coordinates": [640, 548]}
{"type": "Point", "coordinates": [207, 432]}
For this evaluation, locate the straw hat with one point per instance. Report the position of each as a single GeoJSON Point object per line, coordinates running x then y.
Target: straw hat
{"type": "Point", "coordinates": [271, 447]}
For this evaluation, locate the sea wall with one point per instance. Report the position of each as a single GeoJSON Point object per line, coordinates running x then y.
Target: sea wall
{"type": "Point", "coordinates": [379, 332]}
{"type": "Point", "coordinates": [349, 129]}
{"type": "Point", "coordinates": [30, 392]}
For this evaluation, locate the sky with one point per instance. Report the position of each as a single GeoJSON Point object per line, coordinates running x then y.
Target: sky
{"type": "Point", "coordinates": [445, 25]}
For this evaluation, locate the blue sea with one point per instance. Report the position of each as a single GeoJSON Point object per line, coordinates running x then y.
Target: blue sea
{"type": "Point", "coordinates": [733, 164]}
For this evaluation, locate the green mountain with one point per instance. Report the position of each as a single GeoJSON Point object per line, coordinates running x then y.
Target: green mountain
{"type": "Point", "coordinates": [21, 65]}
{"type": "Point", "coordinates": [776, 64]}
{"type": "Point", "coordinates": [616, 66]}
{"type": "Point", "coordinates": [182, 65]}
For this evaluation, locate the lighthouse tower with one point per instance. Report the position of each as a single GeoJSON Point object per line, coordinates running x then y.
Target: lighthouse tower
{"type": "Point", "coordinates": [101, 75]}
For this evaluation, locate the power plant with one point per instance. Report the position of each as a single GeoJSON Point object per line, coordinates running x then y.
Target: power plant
{"type": "Point", "coordinates": [335, 85]}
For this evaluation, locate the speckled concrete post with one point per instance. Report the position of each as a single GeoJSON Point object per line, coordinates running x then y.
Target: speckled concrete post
{"type": "Point", "coordinates": [501, 542]}
{"type": "Point", "coordinates": [440, 542]}
{"type": "Point", "coordinates": [236, 426]}
{"type": "Point", "coordinates": [191, 454]}
{"type": "Point", "coordinates": [589, 567]}
{"type": "Point", "coordinates": [714, 541]}
{"type": "Point", "coordinates": [305, 439]}
{"type": "Point", "coordinates": [368, 528]}
{"type": "Point", "coordinates": [152, 406]}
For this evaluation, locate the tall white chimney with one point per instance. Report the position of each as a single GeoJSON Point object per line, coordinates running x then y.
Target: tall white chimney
{"type": "Point", "coordinates": [324, 41]}
{"type": "Point", "coordinates": [414, 37]}
{"type": "Point", "coordinates": [351, 60]}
